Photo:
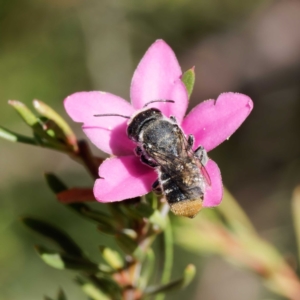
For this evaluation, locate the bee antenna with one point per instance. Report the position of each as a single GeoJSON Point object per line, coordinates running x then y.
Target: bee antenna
{"type": "Point", "coordinates": [112, 115]}
{"type": "Point", "coordinates": [154, 101]}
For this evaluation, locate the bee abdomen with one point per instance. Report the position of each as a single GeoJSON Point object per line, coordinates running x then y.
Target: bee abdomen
{"type": "Point", "coordinates": [186, 208]}
{"type": "Point", "coordinates": [182, 203]}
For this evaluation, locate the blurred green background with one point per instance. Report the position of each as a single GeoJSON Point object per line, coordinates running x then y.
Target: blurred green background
{"type": "Point", "coordinates": [50, 49]}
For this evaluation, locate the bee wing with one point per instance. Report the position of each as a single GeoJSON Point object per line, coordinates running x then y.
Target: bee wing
{"type": "Point", "coordinates": [165, 160]}
{"type": "Point", "coordinates": [189, 152]}
{"type": "Point", "coordinates": [168, 160]}
{"type": "Point", "coordinates": [204, 173]}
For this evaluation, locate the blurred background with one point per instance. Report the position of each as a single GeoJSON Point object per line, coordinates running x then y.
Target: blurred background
{"type": "Point", "coordinates": [50, 49]}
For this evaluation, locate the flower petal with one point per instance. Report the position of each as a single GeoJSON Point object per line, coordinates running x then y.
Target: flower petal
{"type": "Point", "coordinates": [211, 122]}
{"type": "Point", "coordinates": [213, 193]}
{"type": "Point", "coordinates": [158, 77]}
{"type": "Point", "coordinates": [123, 178]}
{"type": "Point", "coordinates": [107, 133]}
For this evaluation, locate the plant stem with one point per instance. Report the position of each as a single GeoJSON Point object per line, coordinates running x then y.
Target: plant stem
{"type": "Point", "coordinates": [168, 256]}
{"type": "Point", "coordinates": [87, 158]}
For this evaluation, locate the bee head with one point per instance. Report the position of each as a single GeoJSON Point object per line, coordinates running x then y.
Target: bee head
{"type": "Point", "coordinates": [138, 121]}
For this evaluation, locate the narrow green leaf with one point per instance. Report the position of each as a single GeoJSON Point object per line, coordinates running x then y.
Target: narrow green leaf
{"type": "Point", "coordinates": [129, 246]}
{"type": "Point", "coordinates": [49, 113]}
{"type": "Point", "coordinates": [25, 113]}
{"type": "Point", "coordinates": [144, 209]}
{"type": "Point", "coordinates": [55, 184]}
{"type": "Point", "coordinates": [61, 295]}
{"type": "Point", "coordinates": [99, 216]}
{"type": "Point", "coordinates": [188, 78]}
{"type": "Point", "coordinates": [105, 284]}
{"type": "Point", "coordinates": [47, 298]}
{"type": "Point", "coordinates": [91, 290]}
{"type": "Point", "coordinates": [151, 199]}
{"type": "Point", "coordinates": [105, 222]}
{"type": "Point", "coordinates": [15, 137]}
{"type": "Point", "coordinates": [112, 257]}
{"type": "Point", "coordinates": [147, 269]}
{"type": "Point", "coordinates": [55, 234]}
{"type": "Point", "coordinates": [53, 260]}
{"type": "Point", "coordinates": [296, 216]}
{"type": "Point", "coordinates": [168, 255]}
{"type": "Point", "coordinates": [53, 131]}
{"type": "Point", "coordinates": [46, 137]}
{"type": "Point", "coordinates": [59, 260]}
{"type": "Point", "coordinates": [188, 276]}
{"type": "Point", "coordinates": [130, 233]}
{"type": "Point", "coordinates": [138, 209]}
{"type": "Point", "coordinates": [234, 214]}
{"type": "Point", "coordinates": [117, 212]}
{"type": "Point", "coordinates": [158, 221]}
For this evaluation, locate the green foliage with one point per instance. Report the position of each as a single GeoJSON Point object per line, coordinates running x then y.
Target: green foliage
{"type": "Point", "coordinates": [187, 277]}
{"type": "Point", "coordinates": [55, 234]}
{"type": "Point", "coordinates": [134, 227]}
{"type": "Point", "coordinates": [49, 130]}
{"type": "Point", "coordinates": [60, 296]}
{"type": "Point", "coordinates": [188, 78]}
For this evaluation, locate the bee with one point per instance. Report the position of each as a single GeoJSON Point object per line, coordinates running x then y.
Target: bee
{"type": "Point", "coordinates": [162, 145]}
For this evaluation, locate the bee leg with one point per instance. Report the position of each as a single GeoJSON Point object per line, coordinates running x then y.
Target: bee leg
{"type": "Point", "coordinates": [148, 162]}
{"type": "Point", "coordinates": [138, 151]}
{"type": "Point", "coordinates": [173, 118]}
{"type": "Point", "coordinates": [191, 141]}
{"type": "Point", "coordinates": [156, 187]}
{"type": "Point", "coordinates": [201, 154]}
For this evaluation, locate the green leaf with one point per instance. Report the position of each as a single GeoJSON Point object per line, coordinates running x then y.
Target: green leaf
{"type": "Point", "coordinates": [47, 298]}
{"type": "Point", "coordinates": [105, 222]}
{"type": "Point", "coordinates": [59, 260]}
{"type": "Point", "coordinates": [104, 284]}
{"type": "Point", "coordinates": [168, 255]}
{"type": "Point", "coordinates": [118, 214]}
{"type": "Point", "coordinates": [98, 216]}
{"type": "Point", "coordinates": [55, 184]}
{"type": "Point", "coordinates": [53, 260]}
{"type": "Point", "coordinates": [42, 133]}
{"type": "Point", "coordinates": [188, 78]}
{"type": "Point", "coordinates": [15, 137]}
{"type": "Point", "coordinates": [188, 275]}
{"type": "Point", "coordinates": [147, 269]}
{"type": "Point", "coordinates": [158, 221]}
{"type": "Point", "coordinates": [127, 244]}
{"type": "Point", "coordinates": [91, 290]}
{"type": "Point", "coordinates": [234, 215]}
{"type": "Point", "coordinates": [53, 233]}
{"type": "Point", "coordinates": [49, 113]}
{"type": "Point", "coordinates": [52, 130]}
{"type": "Point", "coordinates": [144, 210]}
{"type": "Point", "coordinates": [25, 113]}
{"type": "Point", "coordinates": [61, 295]}
{"type": "Point", "coordinates": [151, 199]}
{"type": "Point", "coordinates": [112, 257]}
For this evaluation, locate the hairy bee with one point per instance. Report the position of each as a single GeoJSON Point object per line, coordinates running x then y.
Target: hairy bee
{"type": "Point", "coordinates": [161, 144]}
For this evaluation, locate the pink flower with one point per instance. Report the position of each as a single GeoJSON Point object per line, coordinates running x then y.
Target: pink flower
{"type": "Point", "coordinates": [158, 76]}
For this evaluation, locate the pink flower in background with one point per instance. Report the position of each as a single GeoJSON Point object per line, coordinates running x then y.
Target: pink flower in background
{"type": "Point", "coordinates": [158, 76]}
